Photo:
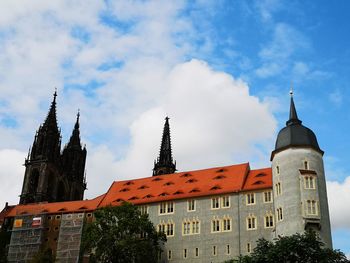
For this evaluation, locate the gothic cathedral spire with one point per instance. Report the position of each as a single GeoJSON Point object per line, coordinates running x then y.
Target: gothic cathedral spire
{"type": "Point", "coordinates": [164, 163]}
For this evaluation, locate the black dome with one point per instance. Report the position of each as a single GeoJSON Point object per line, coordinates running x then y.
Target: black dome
{"type": "Point", "coordinates": [295, 134]}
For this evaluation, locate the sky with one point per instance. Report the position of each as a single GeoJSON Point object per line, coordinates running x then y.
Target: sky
{"type": "Point", "coordinates": [221, 70]}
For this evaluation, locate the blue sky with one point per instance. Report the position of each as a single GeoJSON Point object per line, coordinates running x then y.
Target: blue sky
{"type": "Point", "coordinates": [221, 70]}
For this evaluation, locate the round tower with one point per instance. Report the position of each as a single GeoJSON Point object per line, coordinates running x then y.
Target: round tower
{"type": "Point", "coordinates": [299, 184]}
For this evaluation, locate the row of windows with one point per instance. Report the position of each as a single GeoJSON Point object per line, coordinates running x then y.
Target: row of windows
{"type": "Point", "coordinates": [186, 253]}
{"type": "Point", "coordinates": [251, 199]}
{"type": "Point", "coordinates": [305, 167]}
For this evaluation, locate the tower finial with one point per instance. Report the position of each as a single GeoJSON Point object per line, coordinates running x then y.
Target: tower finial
{"type": "Point", "coordinates": [293, 116]}
{"type": "Point", "coordinates": [164, 163]}
{"type": "Point", "coordinates": [291, 89]}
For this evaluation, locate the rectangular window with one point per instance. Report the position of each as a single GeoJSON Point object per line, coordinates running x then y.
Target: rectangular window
{"type": "Point", "coordinates": [191, 205]}
{"type": "Point", "coordinates": [143, 209]}
{"type": "Point", "coordinates": [225, 201]}
{"type": "Point", "coordinates": [196, 252]}
{"type": "Point", "coordinates": [309, 182]}
{"type": "Point", "coordinates": [185, 252]}
{"type": "Point", "coordinates": [195, 227]}
{"type": "Point", "coordinates": [311, 207]}
{"type": "Point", "coordinates": [306, 165]}
{"type": "Point", "coordinates": [268, 197]}
{"type": "Point", "coordinates": [249, 249]}
{"type": "Point", "coordinates": [215, 252]}
{"type": "Point", "coordinates": [277, 170]}
{"type": "Point", "coordinates": [170, 254]}
{"type": "Point", "coordinates": [250, 198]}
{"type": "Point", "coordinates": [215, 225]}
{"type": "Point", "coordinates": [268, 221]}
{"type": "Point", "coordinates": [226, 224]}
{"type": "Point", "coordinates": [166, 208]}
{"type": "Point", "coordinates": [278, 189]}
{"type": "Point", "coordinates": [251, 222]}
{"type": "Point", "coordinates": [279, 214]}
{"type": "Point", "coordinates": [228, 251]}
{"type": "Point", "coordinates": [215, 203]}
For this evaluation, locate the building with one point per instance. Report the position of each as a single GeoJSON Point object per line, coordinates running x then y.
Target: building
{"type": "Point", "coordinates": [209, 215]}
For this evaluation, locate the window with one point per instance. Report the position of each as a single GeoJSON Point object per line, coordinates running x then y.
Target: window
{"type": "Point", "coordinates": [185, 253]}
{"type": "Point", "coordinates": [196, 252]}
{"type": "Point", "coordinates": [268, 221]}
{"type": "Point", "coordinates": [170, 229]}
{"type": "Point", "coordinates": [277, 170]}
{"type": "Point", "coordinates": [143, 209]}
{"type": "Point", "coordinates": [215, 203]}
{"type": "Point", "coordinates": [311, 207]}
{"type": "Point", "coordinates": [309, 182]}
{"type": "Point", "coordinates": [250, 198]}
{"type": "Point", "coordinates": [58, 217]}
{"type": "Point", "coordinates": [268, 197]}
{"type": "Point", "coordinates": [278, 189]}
{"type": "Point", "coordinates": [170, 254]}
{"type": "Point", "coordinates": [249, 248]}
{"type": "Point", "coordinates": [186, 228]}
{"type": "Point", "coordinates": [166, 208]}
{"type": "Point", "coordinates": [306, 165]}
{"type": "Point", "coordinates": [226, 224]}
{"type": "Point", "coordinates": [215, 225]}
{"type": "Point", "coordinates": [167, 228]}
{"type": "Point", "coordinates": [279, 214]}
{"type": "Point", "coordinates": [191, 227]}
{"type": "Point", "coordinates": [228, 251]}
{"type": "Point", "coordinates": [225, 201]}
{"type": "Point", "coordinates": [215, 251]}
{"type": "Point", "coordinates": [251, 222]}
{"type": "Point", "coordinates": [191, 205]}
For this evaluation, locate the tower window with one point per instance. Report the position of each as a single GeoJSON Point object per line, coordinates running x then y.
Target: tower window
{"type": "Point", "coordinates": [278, 189]}
{"type": "Point", "coordinates": [185, 252]}
{"type": "Point", "coordinates": [311, 207]}
{"type": "Point", "coordinates": [279, 214]}
{"type": "Point", "coordinates": [309, 182]}
{"type": "Point", "coordinates": [306, 165]}
{"type": "Point", "coordinates": [277, 170]}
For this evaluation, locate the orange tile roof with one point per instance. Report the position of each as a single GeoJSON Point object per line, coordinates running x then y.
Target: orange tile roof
{"type": "Point", "coordinates": [58, 207]}
{"type": "Point", "coordinates": [213, 181]}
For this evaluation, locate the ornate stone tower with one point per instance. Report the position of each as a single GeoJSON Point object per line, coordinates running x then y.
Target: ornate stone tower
{"type": "Point", "coordinates": [73, 161]}
{"type": "Point", "coordinates": [164, 163]}
{"type": "Point", "coordinates": [50, 176]}
{"type": "Point", "coordinates": [299, 182]}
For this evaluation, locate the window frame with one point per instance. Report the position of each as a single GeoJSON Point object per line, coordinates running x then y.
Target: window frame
{"type": "Point", "coordinates": [250, 198]}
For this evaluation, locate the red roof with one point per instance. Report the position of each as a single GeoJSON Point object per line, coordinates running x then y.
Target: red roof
{"type": "Point", "coordinates": [213, 181]}
{"type": "Point", "coordinates": [59, 207]}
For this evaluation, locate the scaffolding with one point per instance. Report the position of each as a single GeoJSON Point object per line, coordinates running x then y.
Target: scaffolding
{"type": "Point", "coordinates": [69, 238]}
{"type": "Point", "coordinates": [26, 238]}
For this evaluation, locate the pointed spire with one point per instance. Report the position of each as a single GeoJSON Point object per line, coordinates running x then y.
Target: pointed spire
{"type": "Point", "coordinates": [75, 137]}
{"type": "Point", "coordinates": [293, 116]}
{"type": "Point", "coordinates": [164, 163]}
{"type": "Point", "coordinates": [51, 120]}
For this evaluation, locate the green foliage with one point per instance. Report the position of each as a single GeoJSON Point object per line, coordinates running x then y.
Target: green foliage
{"type": "Point", "coordinates": [121, 234]}
{"type": "Point", "coordinates": [298, 248]}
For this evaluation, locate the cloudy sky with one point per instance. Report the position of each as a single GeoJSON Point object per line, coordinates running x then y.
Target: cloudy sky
{"type": "Point", "coordinates": [221, 70]}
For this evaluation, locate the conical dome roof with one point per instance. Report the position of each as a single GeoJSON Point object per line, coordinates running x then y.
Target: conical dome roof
{"type": "Point", "coordinates": [295, 134]}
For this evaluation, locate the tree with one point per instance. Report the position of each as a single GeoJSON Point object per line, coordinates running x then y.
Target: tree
{"type": "Point", "coordinates": [120, 234]}
{"type": "Point", "coordinates": [305, 248]}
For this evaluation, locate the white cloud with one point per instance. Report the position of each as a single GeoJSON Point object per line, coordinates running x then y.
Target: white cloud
{"type": "Point", "coordinates": [336, 97]}
{"type": "Point", "coordinates": [338, 195]}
